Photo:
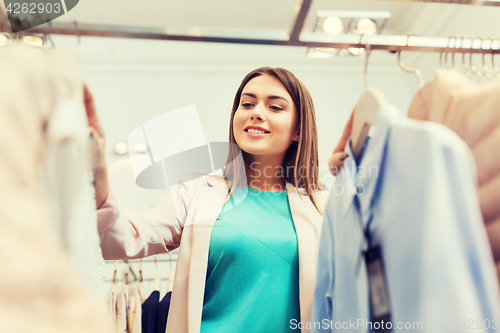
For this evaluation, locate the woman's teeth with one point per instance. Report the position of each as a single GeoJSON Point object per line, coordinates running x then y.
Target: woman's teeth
{"type": "Point", "coordinates": [256, 131]}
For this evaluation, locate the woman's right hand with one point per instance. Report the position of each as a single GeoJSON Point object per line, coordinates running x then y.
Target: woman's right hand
{"type": "Point", "coordinates": [97, 149]}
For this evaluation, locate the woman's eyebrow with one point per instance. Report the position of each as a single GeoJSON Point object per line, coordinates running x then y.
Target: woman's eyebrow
{"type": "Point", "coordinates": [278, 97]}
{"type": "Point", "coordinates": [269, 97]}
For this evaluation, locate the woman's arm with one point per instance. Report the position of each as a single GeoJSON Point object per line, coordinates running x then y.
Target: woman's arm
{"type": "Point", "coordinates": [97, 149]}
{"type": "Point", "coordinates": [131, 234]}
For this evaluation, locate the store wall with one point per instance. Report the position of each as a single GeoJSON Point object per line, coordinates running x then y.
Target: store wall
{"type": "Point", "coordinates": [126, 99]}
{"type": "Point", "coordinates": [130, 90]}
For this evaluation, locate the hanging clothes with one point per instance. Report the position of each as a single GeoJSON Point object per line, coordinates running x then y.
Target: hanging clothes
{"type": "Point", "coordinates": [162, 313]}
{"type": "Point", "coordinates": [135, 311]}
{"type": "Point", "coordinates": [71, 192]}
{"type": "Point", "coordinates": [149, 310]}
{"type": "Point", "coordinates": [472, 111]}
{"type": "Point", "coordinates": [413, 194]}
{"type": "Point", "coordinates": [40, 288]}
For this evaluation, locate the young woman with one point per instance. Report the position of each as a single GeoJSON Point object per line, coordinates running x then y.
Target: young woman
{"type": "Point", "coordinates": [248, 240]}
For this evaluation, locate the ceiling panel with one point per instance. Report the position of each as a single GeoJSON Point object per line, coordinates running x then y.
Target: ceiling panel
{"type": "Point", "coordinates": [255, 14]}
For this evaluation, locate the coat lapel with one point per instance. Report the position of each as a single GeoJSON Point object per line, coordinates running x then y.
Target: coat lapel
{"type": "Point", "coordinates": [307, 221]}
{"type": "Point", "coordinates": [189, 287]}
{"type": "Point", "coordinates": [209, 204]}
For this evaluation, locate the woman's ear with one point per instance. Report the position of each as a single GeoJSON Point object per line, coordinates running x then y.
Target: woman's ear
{"type": "Point", "coordinates": [297, 135]}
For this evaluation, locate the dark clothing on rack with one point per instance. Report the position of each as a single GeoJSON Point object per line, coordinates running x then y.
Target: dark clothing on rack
{"type": "Point", "coordinates": [149, 308]}
{"type": "Point", "coordinates": [162, 313]}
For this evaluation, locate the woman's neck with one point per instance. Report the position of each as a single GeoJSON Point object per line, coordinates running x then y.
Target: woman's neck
{"type": "Point", "coordinates": [266, 173]}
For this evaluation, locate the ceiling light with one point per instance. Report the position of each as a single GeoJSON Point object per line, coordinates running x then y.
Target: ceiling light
{"type": "Point", "coordinates": [324, 49]}
{"type": "Point", "coordinates": [365, 27]}
{"type": "Point", "coordinates": [140, 148]}
{"type": "Point", "coordinates": [319, 54]}
{"type": "Point", "coordinates": [121, 148]}
{"type": "Point", "coordinates": [33, 40]}
{"type": "Point", "coordinates": [333, 25]}
{"type": "Point", "coordinates": [356, 50]}
{"type": "Point", "coordinates": [4, 40]}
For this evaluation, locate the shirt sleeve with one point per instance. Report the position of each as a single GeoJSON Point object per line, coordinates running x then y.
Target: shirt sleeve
{"type": "Point", "coordinates": [128, 234]}
{"type": "Point", "coordinates": [322, 302]}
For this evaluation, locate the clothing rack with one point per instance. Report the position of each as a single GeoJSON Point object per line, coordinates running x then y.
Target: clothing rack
{"type": "Point", "coordinates": [294, 37]}
{"type": "Point", "coordinates": [392, 43]}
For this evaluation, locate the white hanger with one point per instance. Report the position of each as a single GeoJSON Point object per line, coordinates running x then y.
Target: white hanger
{"type": "Point", "coordinates": [157, 277]}
{"type": "Point", "coordinates": [365, 113]}
{"type": "Point", "coordinates": [170, 274]}
{"type": "Point", "coordinates": [415, 71]}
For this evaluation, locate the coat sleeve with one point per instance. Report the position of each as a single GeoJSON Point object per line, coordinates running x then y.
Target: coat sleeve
{"type": "Point", "coordinates": [128, 234]}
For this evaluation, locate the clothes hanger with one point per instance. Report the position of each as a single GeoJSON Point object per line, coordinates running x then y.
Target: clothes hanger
{"type": "Point", "coordinates": [470, 69]}
{"type": "Point", "coordinates": [489, 73]}
{"type": "Point", "coordinates": [365, 112]}
{"type": "Point", "coordinates": [157, 277]}
{"type": "Point", "coordinates": [478, 73]}
{"type": "Point", "coordinates": [78, 39]}
{"type": "Point", "coordinates": [140, 272]}
{"type": "Point", "coordinates": [454, 65]}
{"type": "Point", "coordinates": [497, 71]}
{"type": "Point", "coordinates": [115, 271]}
{"type": "Point", "coordinates": [170, 274]}
{"type": "Point", "coordinates": [443, 55]}
{"type": "Point", "coordinates": [127, 269]}
{"type": "Point", "coordinates": [415, 71]}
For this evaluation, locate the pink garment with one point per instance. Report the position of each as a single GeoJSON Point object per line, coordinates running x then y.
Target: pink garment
{"type": "Point", "coordinates": [473, 111]}
{"type": "Point", "coordinates": [40, 290]}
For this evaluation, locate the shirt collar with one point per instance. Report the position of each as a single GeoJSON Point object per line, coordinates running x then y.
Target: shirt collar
{"type": "Point", "coordinates": [362, 177]}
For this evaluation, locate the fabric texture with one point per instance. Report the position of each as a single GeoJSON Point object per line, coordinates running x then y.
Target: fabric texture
{"type": "Point", "coordinates": [414, 192]}
{"type": "Point", "coordinates": [68, 180]}
{"type": "Point", "coordinates": [190, 210]}
{"type": "Point", "coordinates": [41, 289]}
{"type": "Point", "coordinates": [473, 111]}
{"type": "Point", "coordinates": [253, 260]}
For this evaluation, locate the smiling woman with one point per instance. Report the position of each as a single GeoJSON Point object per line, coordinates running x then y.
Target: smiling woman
{"type": "Point", "coordinates": [274, 124]}
{"type": "Point", "coordinates": [248, 237]}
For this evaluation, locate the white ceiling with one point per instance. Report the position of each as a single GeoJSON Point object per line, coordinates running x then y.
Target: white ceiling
{"type": "Point", "coordinates": [269, 18]}
{"type": "Point", "coordinates": [407, 17]}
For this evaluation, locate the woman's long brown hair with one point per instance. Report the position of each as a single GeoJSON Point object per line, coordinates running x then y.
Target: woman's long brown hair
{"type": "Point", "coordinates": [301, 157]}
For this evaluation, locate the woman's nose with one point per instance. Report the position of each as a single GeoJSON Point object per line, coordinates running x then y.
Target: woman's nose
{"type": "Point", "coordinates": [258, 112]}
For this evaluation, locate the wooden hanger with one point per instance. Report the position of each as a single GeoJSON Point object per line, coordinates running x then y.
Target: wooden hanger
{"type": "Point", "coordinates": [365, 113]}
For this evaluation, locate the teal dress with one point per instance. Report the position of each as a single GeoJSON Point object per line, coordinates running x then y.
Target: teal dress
{"type": "Point", "coordinates": [253, 267]}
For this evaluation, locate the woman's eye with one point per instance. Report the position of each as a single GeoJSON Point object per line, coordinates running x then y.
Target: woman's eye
{"type": "Point", "coordinates": [247, 105]}
{"type": "Point", "coordinates": [276, 107]}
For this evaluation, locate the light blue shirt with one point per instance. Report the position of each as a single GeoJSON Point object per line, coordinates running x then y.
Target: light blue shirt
{"type": "Point", "coordinates": [416, 196]}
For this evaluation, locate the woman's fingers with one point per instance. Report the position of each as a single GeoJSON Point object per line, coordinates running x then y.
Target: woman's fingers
{"type": "Point", "coordinates": [336, 161]}
{"type": "Point", "coordinates": [97, 149]}
{"type": "Point", "coordinates": [92, 117]}
{"type": "Point", "coordinates": [345, 135]}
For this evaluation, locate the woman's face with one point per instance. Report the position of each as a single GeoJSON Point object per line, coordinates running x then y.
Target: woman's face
{"type": "Point", "coordinates": [265, 123]}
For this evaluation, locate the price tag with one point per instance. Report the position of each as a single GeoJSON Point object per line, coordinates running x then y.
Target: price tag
{"type": "Point", "coordinates": [379, 298]}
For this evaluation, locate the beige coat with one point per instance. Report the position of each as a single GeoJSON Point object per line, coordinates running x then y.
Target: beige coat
{"type": "Point", "coordinates": [185, 217]}
{"type": "Point", "coordinates": [473, 111]}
